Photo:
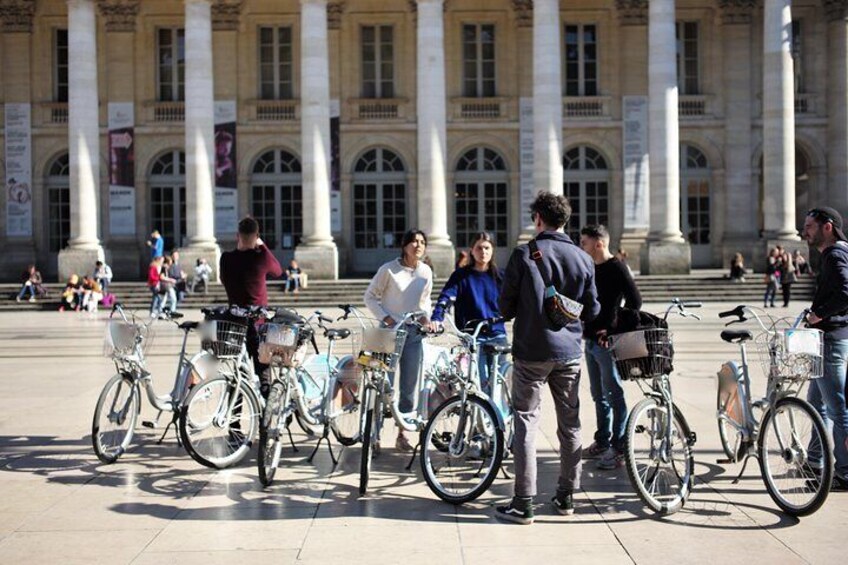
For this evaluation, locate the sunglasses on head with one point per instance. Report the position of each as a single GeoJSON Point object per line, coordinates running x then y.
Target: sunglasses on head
{"type": "Point", "coordinates": [819, 215]}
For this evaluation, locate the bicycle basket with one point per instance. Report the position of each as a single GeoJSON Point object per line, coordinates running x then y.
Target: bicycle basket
{"type": "Point", "coordinates": [120, 338]}
{"type": "Point", "coordinates": [282, 344]}
{"type": "Point", "coordinates": [643, 354]}
{"type": "Point", "coordinates": [223, 338]}
{"type": "Point", "coordinates": [380, 348]}
{"type": "Point", "coordinates": [791, 354]}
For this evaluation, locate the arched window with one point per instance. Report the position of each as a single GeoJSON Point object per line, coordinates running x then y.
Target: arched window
{"type": "Point", "coordinates": [695, 196]}
{"type": "Point", "coordinates": [277, 199]}
{"type": "Point", "coordinates": [587, 181]}
{"type": "Point", "coordinates": [58, 203]}
{"type": "Point", "coordinates": [379, 200]}
{"type": "Point", "coordinates": [481, 189]}
{"type": "Point", "coordinates": [168, 197]}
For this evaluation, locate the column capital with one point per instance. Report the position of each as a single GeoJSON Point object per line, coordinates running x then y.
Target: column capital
{"type": "Point", "coordinates": [736, 11]}
{"type": "Point", "coordinates": [632, 12]}
{"type": "Point", "coordinates": [835, 10]}
{"type": "Point", "coordinates": [225, 14]}
{"type": "Point", "coordinates": [413, 4]}
{"type": "Point", "coordinates": [335, 9]}
{"type": "Point", "coordinates": [17, 15]}
{"type": "Point", "coordinates": [120, 15]}
{"type": "Point", "coordinates": [523, 12]}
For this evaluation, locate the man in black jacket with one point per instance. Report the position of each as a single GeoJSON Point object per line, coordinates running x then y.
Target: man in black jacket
{"type": "Point", "coordinates": [545, 354]}
{"type": "Point", "coordinates": [823, 230]}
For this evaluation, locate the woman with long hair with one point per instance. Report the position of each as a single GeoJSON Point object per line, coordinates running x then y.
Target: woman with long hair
{"type": "Point", "coordinates": [404, 285]}
{"type": "Point", "coordinates": [476, 288]}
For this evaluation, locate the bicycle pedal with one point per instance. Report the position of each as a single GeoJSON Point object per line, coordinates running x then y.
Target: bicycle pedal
{"type": "Point", "coordinates": [693, 437]}
{"type": "Point", "coordinates": [148, 424]}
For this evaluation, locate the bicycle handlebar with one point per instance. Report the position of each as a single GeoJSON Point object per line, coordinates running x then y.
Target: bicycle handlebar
{"type": "Point", "coordinates": [681, 306]}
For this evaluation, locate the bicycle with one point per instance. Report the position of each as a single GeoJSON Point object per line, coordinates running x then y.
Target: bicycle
{"type": "Point", "coordinates": [119, 404]}
{"type": "Point", "coordinates": [295, 391]}
{"type": "Point", "coordinates": [789, 439]}
{"type": "Point", "coordinates": [220, 417]}
{"type": "Point", "coordinates": [659, 441]}
{"type": "Point", "coordinates": [467, 436]}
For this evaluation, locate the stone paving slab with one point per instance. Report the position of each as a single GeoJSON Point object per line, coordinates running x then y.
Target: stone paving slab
{"type": "Point", "coordinates": [60, 505]}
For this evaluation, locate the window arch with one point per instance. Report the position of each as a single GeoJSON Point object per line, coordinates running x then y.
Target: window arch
{"type": "Point", "coordinates": [379, 160]}
{"type": "Point", "coordinates": [379, 201]}
{"type": "Point", "coordinates": [586, 185]}
{"type": "Point", "coordinates": [58, 184]}
{"type": "Point", "coordinates": [168, 197]}
{"type": "Point", "coordinates": [481, 191]}
{"type": "Point", "coordinates": [276, 192]}
{"type": "Point", "coordinates": [695, 195]}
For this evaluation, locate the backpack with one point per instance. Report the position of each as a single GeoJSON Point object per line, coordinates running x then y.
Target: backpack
{"type": "Point", "coordinates": [108, 300]}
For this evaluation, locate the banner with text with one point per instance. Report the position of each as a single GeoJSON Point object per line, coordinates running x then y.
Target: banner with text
{"type": "Point", "coordinates": [335, 168]}
{"type": "Point", "coordinates": [636, 163]}
{"type": "Point", "coordinates": [121, 168]}
{"type": "Point", "coordinates": [226, 172]}
{"type": "Point", "coordinates": [18, 170]}
{"type": "Point", "coordinates": [525, 142]}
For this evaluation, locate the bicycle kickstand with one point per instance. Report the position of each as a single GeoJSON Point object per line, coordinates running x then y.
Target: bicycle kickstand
{"type": "Point", "coordinates": [742, 472]}
{"type": "Point", "coordinates": [291, 438]}
{"type": "Point", "coordinates": [173, 422]}
{"type": "Point", "coordinates": [505, 472]}
{"type": "Point", "coordinates": [414, 453]}
{"type": "Point", "coordinates": [325, 436]}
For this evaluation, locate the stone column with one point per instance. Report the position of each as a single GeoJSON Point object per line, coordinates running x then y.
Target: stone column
{"type": "Point", "coordinates": [666, 251]}
{"type": "Point", "coordinates": [547, 97]}
{"type": "Point", "coordinates": [837, 104]}
{"type": "Point", "coordinates": [740, 194]}
{"type": "Point", "coordinates": [317, 254]}
{"type": "Point", "coordinates": [778, 124]}
{"type": "Point", "coordinates": [431, 103]}
{"type": "Point", "coordinates": [200, 135]}
{"type": "Point", "coordinates": [84, 247]}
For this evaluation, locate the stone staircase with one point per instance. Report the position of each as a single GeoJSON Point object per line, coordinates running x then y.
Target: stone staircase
{"type": "Point", "coordinates": [706, 286]}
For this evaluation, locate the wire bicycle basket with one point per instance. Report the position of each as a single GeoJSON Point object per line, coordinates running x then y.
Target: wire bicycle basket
{"type": "Point", "coordinates": [379, 348]}
{"type": "Point", "coordinates": [791, 354]}
{"type": "Point", "coordinates": [643, 354]}
{"type": "Point", "coordinates": [223, 338]}
{"type": "Point", "coordinates": [121, 338]}
{"type": "Point", "coordinates": [283, 344]}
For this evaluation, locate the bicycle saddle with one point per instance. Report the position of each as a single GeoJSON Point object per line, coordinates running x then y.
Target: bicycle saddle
{"type": "Point", "coordinates": [336, 334]}
{"type": "Point", "coordinates": [498, 348]}
{"type": "Point", "coordinates": [189, 325]}
{"type": "Point", "coordinates": [736, 336]}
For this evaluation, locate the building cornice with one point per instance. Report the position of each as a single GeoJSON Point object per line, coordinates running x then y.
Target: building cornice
{"type": "Point", "coordinates": [523, 12]}
{"type": "Point", "coordinates": [737, 11]}
{"type": "Point", "coordinates": [225, 14]}
{"type": "Point", "coordinates": [632, 12]}
{"type": "Point", "coordinates": [835, 10]}
{"type": "Point", "coordinates": [17, 15]}
{"type": "Point", "coordinates": [413, 4]}
{"type": "Point", "coordinates": [335, 9]}
{"type": "Point", "coordinates": [120, 15]}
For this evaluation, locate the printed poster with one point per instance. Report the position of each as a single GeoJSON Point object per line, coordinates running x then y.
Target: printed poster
{"type": "Point", "coordinates": [636, 163]}
{"type": "Point", "coordinates": [226, 172]}
{"type": "Point", "coordinates": [18, 170]}
{"type": "Point", "coordinates": [335, 168]}
{"type": "Point", "coordinates": [121, 168]}
{"type": "Point", "coordinates": [525, 140]}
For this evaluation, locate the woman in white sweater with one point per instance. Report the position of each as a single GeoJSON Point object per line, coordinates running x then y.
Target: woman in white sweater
{"type": "Point", "coordinates": [400, 286]}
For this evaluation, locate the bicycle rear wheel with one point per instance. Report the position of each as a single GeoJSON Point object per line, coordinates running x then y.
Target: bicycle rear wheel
{"type": "Point", "coordinates": [731, 438]}
{"type": "Point", "coordinates": [660, 468]}
{"type": "Point", "coordinates": [369, 434]}
{"type": "Point", "coordinates": [462, 447]}
{"type": "Point", "coordinates": [213, 434]}
{"type": "Point", "coordinates": [269, 434]}
{"type": "Point", "coordinates": [345, 416]}
{"type": "Point", "coordinates": [796, 457]}
{"type": "Point", "coordinates": [115, 416]}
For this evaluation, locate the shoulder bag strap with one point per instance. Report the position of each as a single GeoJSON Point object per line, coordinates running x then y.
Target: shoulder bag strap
{"type": "Point", "coordinates": [536, 255]}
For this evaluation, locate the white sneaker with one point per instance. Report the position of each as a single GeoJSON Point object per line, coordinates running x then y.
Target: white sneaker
{"type": "Point", "coordinates": [611, 460]}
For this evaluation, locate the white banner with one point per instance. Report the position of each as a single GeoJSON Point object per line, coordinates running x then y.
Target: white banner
{"type": "Point", "coordinates": [525, 140]}
{"type": "Point", "coordinates": [121, 168]}
{"type": "Point", "coordinates": [18, 170]}
{"type": "Point", "coordinates": [636, 162]}
{"type": "Point", "coordinates": [226, 171]}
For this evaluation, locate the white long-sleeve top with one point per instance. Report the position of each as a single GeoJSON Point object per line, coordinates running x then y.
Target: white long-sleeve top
{"type": "Point", "coordinates": [397, 289]}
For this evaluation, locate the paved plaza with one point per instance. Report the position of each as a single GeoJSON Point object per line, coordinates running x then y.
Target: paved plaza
{"type": "Point", "coordinates": [156, 505]}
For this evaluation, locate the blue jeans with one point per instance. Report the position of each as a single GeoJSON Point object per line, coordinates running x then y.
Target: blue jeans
{"type": "Point", "coordinates": [771, 292]}
{"type": "Point", "coordinates": [410, 367]}
{"type": "Point", "coordinates": [155, 302]}
{"type": "Point", "coordinates": [293, 283]}
{"type": "Point", "coordinates": [486, 360]}
{"type": "Point", "coordinates": [608, 395]}
{"type": "Point", "coordinates": [27, 287]}
{"type": "Point", "coordinates": [827, 395]}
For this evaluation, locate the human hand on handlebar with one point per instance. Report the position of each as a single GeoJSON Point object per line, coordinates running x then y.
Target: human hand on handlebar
{"type": "Point", "coordinates": [813, 319]}
{"type": "Point", "coordinates": [389, 321]}
{"type": "Point", "coordinates": [435, 327]}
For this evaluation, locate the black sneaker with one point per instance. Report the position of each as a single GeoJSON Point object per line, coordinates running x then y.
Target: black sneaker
{"type": "Point", "coordinates": [516, 512]}
{"type": "Point", "coordinates": [564, 503]}
{"type": "Point", "coordinates": [839, 485]}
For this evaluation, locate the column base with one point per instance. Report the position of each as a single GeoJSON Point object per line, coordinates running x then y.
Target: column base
{"type": "Point", "coordinates": [443, 260]}
{"type": "Point", "coordinates": [632, 243]}
{"type": "Point", "coordinates": [189, 256]}
{"type": "Point", "coordinates": [16, 256]}
{"type": "Point", "coordinates": [751, 249]}
{"type": "Point", "coordinates": [75, 261]}
{"type": "Point", "coordinates": [319, 262]}
{"type": "Point", "coordinates": [665, 258]}
{"type": "Point", "coordinates": [788, 244]}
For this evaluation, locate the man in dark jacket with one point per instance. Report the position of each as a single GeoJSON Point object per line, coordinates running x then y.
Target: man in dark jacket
{"type": "Point", "coordinates": [823, 230]}
{"type": "Point", "coordinates": [544, 354]}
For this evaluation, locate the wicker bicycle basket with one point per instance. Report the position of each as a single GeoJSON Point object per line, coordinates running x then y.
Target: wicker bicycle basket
{"type": "Point", "coordinates": [643, 354]}
{"type": "Point", "coordinates": [282, 344]}
{"type": "Point", "coordinates": [379, 348]}
{"type": "Point", "coordinates": [121, 337]}
{"type": "Point", "coordinates": [791, 354]}
{"type": "Point", "coordinates": [223, 338]}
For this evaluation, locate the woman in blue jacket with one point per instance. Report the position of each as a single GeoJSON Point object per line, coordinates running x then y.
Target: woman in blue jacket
{"type": "Point", "coordinates": [476, 289]}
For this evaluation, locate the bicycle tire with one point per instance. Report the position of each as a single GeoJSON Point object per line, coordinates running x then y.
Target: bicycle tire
{"type": "Point", "coordinates": [426, 457]}
{"type": "Point", "coordinates": [345, 422]}
{"type": "Point", "coordinates": [269, 434]}
{"type": "Point", "coordinates": [646, 492]}
{"type": "Point", "coordinates": [822, 484]}
{"type": "Point", "coordinates": [214, 454]}
{"type": "Point", "coordinates": [726, 431]}
{"type": "Point", "coordinates": [131, 411]}
{"type": "Point", "coordinates": [367, 441]}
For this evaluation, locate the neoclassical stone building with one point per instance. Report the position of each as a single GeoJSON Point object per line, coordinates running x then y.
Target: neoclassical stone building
{"type": "Point", "coordinates": [692, 128]}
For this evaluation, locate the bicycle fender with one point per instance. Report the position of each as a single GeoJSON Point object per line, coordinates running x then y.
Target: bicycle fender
{"type": "Point", "coordinates": [490, 402]}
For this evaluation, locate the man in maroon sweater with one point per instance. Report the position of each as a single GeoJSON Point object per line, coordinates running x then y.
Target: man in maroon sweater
{"type": "Point", "coordinates": [244, 272]}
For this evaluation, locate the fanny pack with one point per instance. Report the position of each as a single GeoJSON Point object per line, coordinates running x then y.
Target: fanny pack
{"type": "Point", "coordinates": [560, 309]}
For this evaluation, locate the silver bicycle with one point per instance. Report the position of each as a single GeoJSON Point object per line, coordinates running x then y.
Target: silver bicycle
{"type": "Point", "coordinates": [119, 405]}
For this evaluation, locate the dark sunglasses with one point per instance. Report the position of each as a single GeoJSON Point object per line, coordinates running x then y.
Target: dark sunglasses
{"type": "Point", "coordinates": [819, 215]}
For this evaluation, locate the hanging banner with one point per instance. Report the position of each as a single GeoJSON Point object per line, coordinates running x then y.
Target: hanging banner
{"type": "Point", "coordinates": [121, 168]}
{"type": "Point", "coordinates": [525, 141]}
{"type": "Point", "coordinates": [18, 170]}
{"type": "Point", "coordinates": [335, 168]}
{"type": "Point", "coordinates": [636, 163]}
{"type": "Point", "coordinates": [226, 172]}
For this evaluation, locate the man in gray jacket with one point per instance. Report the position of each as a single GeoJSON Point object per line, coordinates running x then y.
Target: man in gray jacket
{"type": "Point", "coordinates": [545, 354]}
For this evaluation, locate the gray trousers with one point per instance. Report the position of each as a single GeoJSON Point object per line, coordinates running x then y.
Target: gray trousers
{"type": "Point", "coordinates": [528, 380]}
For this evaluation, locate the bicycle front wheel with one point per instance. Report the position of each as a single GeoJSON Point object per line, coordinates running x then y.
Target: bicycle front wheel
{"type": "Point", "coordinates": [115, 416]}
{"type": "Point", "coordinates": [462, 448]}
{"type": "Point", "coordinates": [370, 433]}
{"type": "Point", "coordinates": [269, 434]}
{"type": "Point", "coordinates": [345, 411]}
{"type": "Point", "coordinates": [796, 458]}
{"type": "Point", "coordinates": [660, 465]}
{"type": "Point", "coordinates": [219, 421]}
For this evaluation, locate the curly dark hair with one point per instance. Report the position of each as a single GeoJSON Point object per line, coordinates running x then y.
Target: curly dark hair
{"type": "Point", "coordinates": [553, 209]}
